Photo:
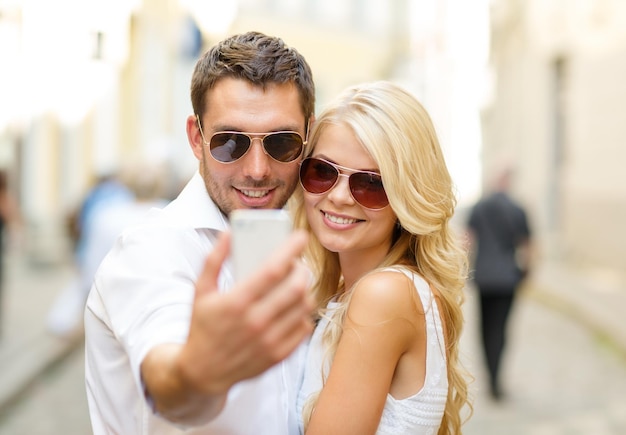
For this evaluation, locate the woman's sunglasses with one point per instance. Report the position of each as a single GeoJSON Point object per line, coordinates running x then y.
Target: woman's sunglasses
{"type": "Point", "coordinates": [230, 146]}
{"type": "Point", "coordinates": [318, 176]}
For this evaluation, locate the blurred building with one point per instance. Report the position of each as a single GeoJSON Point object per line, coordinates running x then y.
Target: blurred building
{"type": "Point", "coordinates": [345, 42]}
{"type": "Point", "coordinates": [558, 110]}
{"type": "Point", "coordinates": [60, 81]}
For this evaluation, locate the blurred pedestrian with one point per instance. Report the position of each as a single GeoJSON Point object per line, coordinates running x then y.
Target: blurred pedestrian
{"type": "Point", "coordinates": [500, 237]}
{"type": "Point", "coordinates": [9, 223]}
{"type": "Point", "coordinates": [65, 315]}
{"type": "Point", "coordinates": [107, 190]}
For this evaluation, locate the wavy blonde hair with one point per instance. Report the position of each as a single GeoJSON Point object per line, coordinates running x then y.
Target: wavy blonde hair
{"type": "Point", "coordinates": [399, 135]}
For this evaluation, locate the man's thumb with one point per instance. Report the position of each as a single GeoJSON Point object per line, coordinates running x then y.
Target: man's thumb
{"type": "Point", "coordinates": [207, 281]}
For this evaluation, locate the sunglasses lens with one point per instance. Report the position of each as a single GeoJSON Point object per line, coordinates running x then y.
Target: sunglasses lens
{"type": "Point", "coordinates": [367, 189]}
{"type": "Point", "coordinates": [228, 147]}
{"type": "Point", "coordinates": [283, 146]}
{"type": "Point", "coordinates": [317, 176]}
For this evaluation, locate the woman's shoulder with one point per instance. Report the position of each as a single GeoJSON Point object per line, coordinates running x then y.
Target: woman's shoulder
{"type": "Point", "coordinates": [384, 295]}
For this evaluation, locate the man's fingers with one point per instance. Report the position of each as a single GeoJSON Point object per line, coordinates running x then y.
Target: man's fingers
{"type": "Point", "coordinates": [207, 281]}
{"type": "Point", "coordinates": [289, 295]}
{"type": "Point", "coordinates": [275, 269]}
{"type": "Point", "coordinates": [289, 328]}
{"type": "Point", "coordinates": [265, 353]}
{"type": "Point", "coordinates": [285, 309]}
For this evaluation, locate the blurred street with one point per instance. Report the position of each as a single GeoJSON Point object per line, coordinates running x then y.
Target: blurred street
{"type": "Point", "coordinates": [41, 376]}
{"type": "Point", "coordinates": [562, 375]}
{"type": "Point", "coordinates": [54, 404]}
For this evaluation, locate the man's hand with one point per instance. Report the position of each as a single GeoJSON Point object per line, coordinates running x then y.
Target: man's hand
{"type": "Point", "coordinates": [233, 336]}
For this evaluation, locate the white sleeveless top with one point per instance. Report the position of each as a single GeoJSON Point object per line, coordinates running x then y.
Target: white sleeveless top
{"type": "Point", "coordinates": [419, 414]}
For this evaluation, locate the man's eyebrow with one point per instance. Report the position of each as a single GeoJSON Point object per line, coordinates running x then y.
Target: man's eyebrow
{"type": "Point", "coordinates": [230, 127]}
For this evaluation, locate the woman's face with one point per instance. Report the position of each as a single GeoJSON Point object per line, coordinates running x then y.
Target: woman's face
{"type": "Point", "coordinates": [340, 223]}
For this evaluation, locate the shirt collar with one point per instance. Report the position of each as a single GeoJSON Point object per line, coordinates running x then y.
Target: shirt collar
{"type": "Point", "coordinates": [195, 208]}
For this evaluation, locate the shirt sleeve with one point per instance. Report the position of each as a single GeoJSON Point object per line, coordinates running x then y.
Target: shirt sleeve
{"type": "Point", "coordinates": [147, 286]}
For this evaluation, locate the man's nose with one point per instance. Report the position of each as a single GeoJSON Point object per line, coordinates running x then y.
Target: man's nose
{"type": "Point", "coordinates": [257, 161]}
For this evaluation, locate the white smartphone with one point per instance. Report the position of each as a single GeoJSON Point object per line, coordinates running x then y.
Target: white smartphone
{"type": "Point", "coordinates": [255, 235]}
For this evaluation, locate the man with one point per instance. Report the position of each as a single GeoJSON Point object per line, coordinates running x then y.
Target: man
{"type": "Point", "coordinates": [499, 229]}
{"type": "Point", "coordinates": [165, 351]}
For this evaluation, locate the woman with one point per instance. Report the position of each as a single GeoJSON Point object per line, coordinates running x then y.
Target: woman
{"type": "Point", "coordinates": [384, 356]}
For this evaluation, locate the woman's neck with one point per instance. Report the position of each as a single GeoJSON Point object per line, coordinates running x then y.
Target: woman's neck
{"type": "Point", "coordinates": [355, 265]}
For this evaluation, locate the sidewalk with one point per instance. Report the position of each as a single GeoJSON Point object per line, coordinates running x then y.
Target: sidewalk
{"type": "Point", "coordinates": [26, 348]}
{"type": "Point", "coordinates": [595, 300]}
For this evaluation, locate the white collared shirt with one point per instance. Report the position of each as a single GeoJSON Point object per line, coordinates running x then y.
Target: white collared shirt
{"type": "Point", "coordinates": [142, 297]}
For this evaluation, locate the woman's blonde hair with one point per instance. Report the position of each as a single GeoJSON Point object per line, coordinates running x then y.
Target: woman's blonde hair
{"type": "Point", "coordinates": [399, 135]}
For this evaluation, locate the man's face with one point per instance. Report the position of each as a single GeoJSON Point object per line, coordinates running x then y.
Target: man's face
{"type": "Point", "coordinates": [255, 180]}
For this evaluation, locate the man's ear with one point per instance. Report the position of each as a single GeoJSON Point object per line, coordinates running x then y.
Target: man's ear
{"type": "Point", "coordinates": [194, 137]}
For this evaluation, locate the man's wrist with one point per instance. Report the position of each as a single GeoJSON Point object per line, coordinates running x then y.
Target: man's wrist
{"type": "Point", "coordinates": [172, 394]}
